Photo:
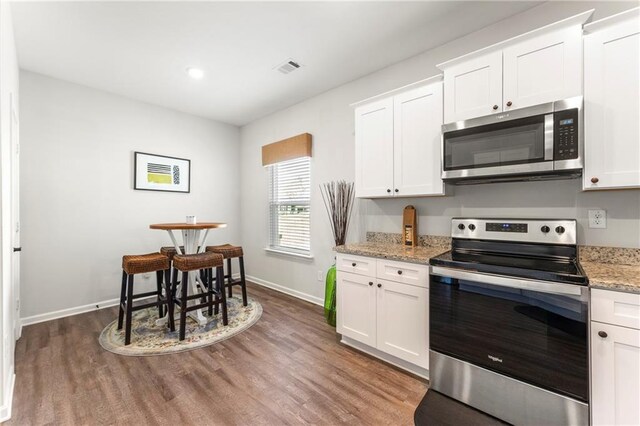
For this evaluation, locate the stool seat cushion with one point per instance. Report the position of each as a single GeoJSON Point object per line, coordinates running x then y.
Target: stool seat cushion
{"type": "Point", "coordinates": [194, 262]}
{"type": "Point", "coordinates": [143, 263]}
{"type": "Point", "coordinates": [170, 251]}
{"type": "Point", "coordinates": [227, 250]}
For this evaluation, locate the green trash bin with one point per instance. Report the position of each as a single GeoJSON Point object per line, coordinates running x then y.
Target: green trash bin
{"type": "Point", "coordinates": [330, 297]}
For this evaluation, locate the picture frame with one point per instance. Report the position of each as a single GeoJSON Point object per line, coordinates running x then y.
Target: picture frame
{"type": "Point", "coordinates": [154, 172]}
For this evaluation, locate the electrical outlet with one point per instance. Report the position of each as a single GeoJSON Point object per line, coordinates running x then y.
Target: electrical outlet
{"type": "Point", "coordinates": [597, 218]}
{"type": "Point", "coordinates": [320, 276]}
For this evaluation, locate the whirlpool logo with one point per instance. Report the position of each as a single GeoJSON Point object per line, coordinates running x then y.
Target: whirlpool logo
{"type": "Point", "coordinates": [494, 358]}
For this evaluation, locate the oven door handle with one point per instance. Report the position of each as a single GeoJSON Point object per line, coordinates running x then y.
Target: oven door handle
{"type": "Point", "coordinates": [497, 280]}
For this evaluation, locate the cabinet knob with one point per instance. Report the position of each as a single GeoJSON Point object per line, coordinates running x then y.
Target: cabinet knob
{"type": "Point", "coordinates": [495, 107]}
{"type": "Point", "coordinates": [370, 283]}
{"type": "Point", "coordinates": [388, 191]}
{"type": "Point", "coordinates": [399, 272]}
{"type": "Point", "coordinates": [397, 190]}
{"type": "Point", "coordinates": [353, 264]}
{"type": "Point", "coordinates": [595, 180]}
{"type": "Point", "coordinates": [379, 285]}
{"type": "Point", "coordinates": [602, 334]}
{"type": "Point", "coordinates": [509, 103]}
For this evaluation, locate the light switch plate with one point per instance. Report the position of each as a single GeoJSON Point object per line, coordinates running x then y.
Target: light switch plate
{"type": "Point", "coordinates": [597, 219]}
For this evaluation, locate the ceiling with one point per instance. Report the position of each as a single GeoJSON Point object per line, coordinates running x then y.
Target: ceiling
{"type": "Point", "coordinates": [141, 49]}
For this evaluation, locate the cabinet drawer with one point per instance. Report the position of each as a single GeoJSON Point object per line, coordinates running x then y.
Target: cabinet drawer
{"type": "Point", "coordinates": [407, 273]}
{"type": "Point", "coordinates": [617, 308]}
{"type": "Point", "coordinates": [356, 264]}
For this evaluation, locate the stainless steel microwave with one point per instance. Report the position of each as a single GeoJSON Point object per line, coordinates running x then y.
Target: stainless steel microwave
{"type": "Point", "coordinates": [534, 143]}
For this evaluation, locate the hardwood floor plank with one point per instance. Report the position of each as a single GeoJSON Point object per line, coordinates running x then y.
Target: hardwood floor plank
{"type": "Point", "coordinates": [288, 369]}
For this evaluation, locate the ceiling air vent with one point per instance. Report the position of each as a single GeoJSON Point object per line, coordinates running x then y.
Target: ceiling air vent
{"type": "Point", "coordinates": [288, 66]}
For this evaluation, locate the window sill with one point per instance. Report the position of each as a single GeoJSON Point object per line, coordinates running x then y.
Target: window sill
{"type": "Point", "coordinates": [289, 253]}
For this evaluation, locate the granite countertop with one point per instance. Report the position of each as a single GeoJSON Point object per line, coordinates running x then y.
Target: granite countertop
{"type": "Point", "coordinates": [613, 276]}
{"type": "Point", "coordinates": [610, 268]}
{"type": "Point", "coordinates": [392, 251]}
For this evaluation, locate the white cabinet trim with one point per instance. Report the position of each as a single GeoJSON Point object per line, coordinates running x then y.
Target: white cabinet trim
{"type": "Point", "coordinates": [578, 19]}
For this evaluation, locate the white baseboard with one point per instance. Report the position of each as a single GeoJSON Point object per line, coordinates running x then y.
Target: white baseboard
{"type": "Point", "coordinates": [286, 290]}
{"type": "Point", "coordinates": [114, 302]}
{"type": "Point", "coordinates": [390, 359]}
{"type": "Point", "coordinates": [5, 408]}
{"type": "Point", "coordinates": [68, 312]}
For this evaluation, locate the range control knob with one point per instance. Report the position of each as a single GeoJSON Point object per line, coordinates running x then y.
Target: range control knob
{"type": "Point", "coordinates": [545, 229]}
{"type": "Point", "coordinates": [472, 227]}
{"type": "Point", "coordinates": [560, 229]}
{"type": "Point", "coordinates": [461, 226]}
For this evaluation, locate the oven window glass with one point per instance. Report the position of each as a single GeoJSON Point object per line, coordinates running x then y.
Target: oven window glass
{"type": "Point", "coordinates": [513, 142]}
{"type": "Point", "coordinates": [535, 337]}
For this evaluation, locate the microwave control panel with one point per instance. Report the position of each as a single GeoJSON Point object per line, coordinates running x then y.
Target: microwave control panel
{"type": "Point", "coordinates": [565, 134]}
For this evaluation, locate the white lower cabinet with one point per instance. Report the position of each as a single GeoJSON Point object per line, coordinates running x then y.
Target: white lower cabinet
{"type": "Point", "coordinates": [356, 307]}
{"type": "Point", "coordinates": [388, 315]}
{"type": "Point", "coordinates": [615, 359]}
{"type": "Point", "coordinates": [402, 320]}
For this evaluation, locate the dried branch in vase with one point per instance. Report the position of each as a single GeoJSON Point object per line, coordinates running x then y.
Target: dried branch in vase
{"type": "Point", "coordinates": [338, 200]}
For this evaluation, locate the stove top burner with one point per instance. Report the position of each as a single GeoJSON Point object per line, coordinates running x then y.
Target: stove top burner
{"type": "Point", "coordinates": [537, 249]}
{"type": "Point", "coordinates": [555, 270]}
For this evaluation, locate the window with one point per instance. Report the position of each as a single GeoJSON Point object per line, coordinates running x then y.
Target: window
{"type": "Point", "coordinates": [289, 202]}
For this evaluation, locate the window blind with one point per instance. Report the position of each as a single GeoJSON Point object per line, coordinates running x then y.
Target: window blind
{"type": "Point", "coordinates": [289, 206]}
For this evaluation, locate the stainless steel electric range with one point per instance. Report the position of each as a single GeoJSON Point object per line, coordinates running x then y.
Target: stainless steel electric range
{"type": "Point", "coordinates": [508, 320]}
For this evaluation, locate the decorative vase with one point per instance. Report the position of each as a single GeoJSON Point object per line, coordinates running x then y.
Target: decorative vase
{"type": "Point", "coordinates": [330, 296]}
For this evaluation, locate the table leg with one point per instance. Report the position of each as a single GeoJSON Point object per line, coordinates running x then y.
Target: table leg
{"type": "Point", "coordinates": [192, 245]}
{"type": "Point", "coordinates": [191, 240]}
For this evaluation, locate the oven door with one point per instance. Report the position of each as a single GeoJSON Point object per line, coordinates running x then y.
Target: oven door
{"type": "Point", "coordinates": [489, 146]}
{"type": "Point", "coordinates": [531, 331]}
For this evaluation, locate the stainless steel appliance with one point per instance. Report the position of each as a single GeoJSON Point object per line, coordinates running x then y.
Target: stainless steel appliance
{"type": "Point", "coordinates": [535, 143]}
{"type": "Point", "coordinates": [508, 320]}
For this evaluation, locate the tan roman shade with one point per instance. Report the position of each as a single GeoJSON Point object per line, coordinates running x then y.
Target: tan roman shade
{"type": "Point", "coordinates": [287, 149]}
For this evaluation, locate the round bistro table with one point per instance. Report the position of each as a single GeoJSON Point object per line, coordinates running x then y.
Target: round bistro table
{"type": "Point", "coordinates": [192, 244]}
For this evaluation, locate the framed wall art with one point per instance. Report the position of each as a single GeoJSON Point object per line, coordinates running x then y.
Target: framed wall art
{"type": "Point", "coordinates": [154, 172]}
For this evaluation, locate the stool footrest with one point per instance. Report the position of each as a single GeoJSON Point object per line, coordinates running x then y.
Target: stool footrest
{"type": "Point", "coordinates": [147, 294]}
{"type": "Point", "coordinates": [198, 306]}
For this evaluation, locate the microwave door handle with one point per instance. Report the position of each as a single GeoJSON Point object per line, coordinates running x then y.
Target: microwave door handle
{"type": "Point", "coordinates": [539, 286]}
{"type": "Point", "coordinates": [548, 137]}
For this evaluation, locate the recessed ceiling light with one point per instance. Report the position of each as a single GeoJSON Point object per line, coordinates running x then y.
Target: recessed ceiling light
{"type": "Point", "coordinates": [195, 73]}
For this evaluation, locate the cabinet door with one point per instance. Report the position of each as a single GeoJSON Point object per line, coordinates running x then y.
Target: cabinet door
{"type": "Point", "coordinates": [612, 107]}
{"type": "Point", "coordinates": [417, 118]}
{"type": "Point", "coordinates": [403, 321]}
{"type": "Point", "coordinates": [356, 307]}
{"type": "Point", "coordinates": [473, 88]}
{"type": "Point", "coordinates": [615, 375]}
{"type": "Point", "coordinates": [374, 149]}
{"type": "Point", "coordinates": [543, 69]}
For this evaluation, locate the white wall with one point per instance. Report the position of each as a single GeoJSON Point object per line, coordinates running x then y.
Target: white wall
{"type": "Point", "coordinates": [8, 90]}
{"type": "Point", "coordinates": [80, 213]}
{"type": "Point", "coordinates": [329, 119]}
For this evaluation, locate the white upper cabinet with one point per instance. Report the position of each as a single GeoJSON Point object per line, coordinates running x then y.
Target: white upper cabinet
{"type": "Point", "coordinates": [543, 69]}
{"type": "Point", "coordinates": [473, 88]}
{"type": "Point", "coordinates": [612, 103]}
{"type": "Point", "coordinates": [417, 125]}
{"type": "Point", "coordinates": [398, 143]}
{"type": "Point", "coordinates": [541, 66]}
{"type": "Point", "coordinates": [374, 149]}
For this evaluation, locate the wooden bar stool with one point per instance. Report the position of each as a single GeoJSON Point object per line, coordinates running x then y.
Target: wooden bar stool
{"type": "Point", "coordinates": [204, 262]}
{"type": "Point", "coordinates": [229, 252]}
{"type": "Point", "coordinates": [142, 264]}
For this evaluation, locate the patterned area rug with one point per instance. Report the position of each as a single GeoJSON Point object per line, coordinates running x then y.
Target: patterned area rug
{"type": "Point", "coordinates": [148, 339]}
